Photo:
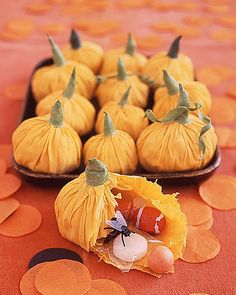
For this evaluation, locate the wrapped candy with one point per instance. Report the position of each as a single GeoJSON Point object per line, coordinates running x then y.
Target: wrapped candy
{"type": "Point", "coordinates": [125, 116]}
{"type": "Point", "coordinates": [149, 219]}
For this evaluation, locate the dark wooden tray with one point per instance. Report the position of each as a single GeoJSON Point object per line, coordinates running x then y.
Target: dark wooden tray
{"type": "Point", "coordinates": [28, 111]}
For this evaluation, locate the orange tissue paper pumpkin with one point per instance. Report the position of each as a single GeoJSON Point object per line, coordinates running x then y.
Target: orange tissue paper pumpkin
{"type": "Point", "coordinates": [46, 144]}
{"type": "Point", "coordinates": [115, 148]}
{"type": "Point", "coordinates": [112, 88]}
{"type": "Point", "coordinates": [126, 117]}
{"type": "Point", "coordinates": [85, 52]}
{"type": "Point", "coordinates": [78, 111]}
{"type": "Point", "coordinates": [166, 98]}
{"type": "Point", "coordinates": [179, 141]}
{"type": "Point", "coordinates": [48, 79]}
{"type": "Point", "coordinates": [177, 64]}
{"type": "Point", "coordinates": [133, 60]}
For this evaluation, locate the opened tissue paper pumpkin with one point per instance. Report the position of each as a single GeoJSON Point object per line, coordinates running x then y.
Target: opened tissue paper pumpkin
{"type": "Point", "coordinates": [125, 220]}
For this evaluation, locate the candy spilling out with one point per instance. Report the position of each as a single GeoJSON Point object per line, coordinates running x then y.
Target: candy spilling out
{"type": "Point", "coordinates": [130, 246]}
{"type": "Point", "coordinates": [123, 219]}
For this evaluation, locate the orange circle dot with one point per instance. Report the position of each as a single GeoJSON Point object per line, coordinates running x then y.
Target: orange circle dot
{"type": "Point", "coordinates": [25, 220]}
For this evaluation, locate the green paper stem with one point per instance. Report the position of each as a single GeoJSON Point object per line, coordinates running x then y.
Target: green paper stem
{"type": "Point", "coordinates": [56, 117]}
{"type": "Point", "coordinates": [69, 91]}
{"type": "Point", "coordinates": [204, 129]}
{"type": "Point", "coordinates": [130, 46]}
{"type": "Point", "coordinates": [180, 114]}
{"type": "Point", "coordinates": [57, 55]}
{"type": "Point", "coordinates": [109, 128]}
{"type": "Point", "coordinates": [75, 42]}
{"type": "Point", "coordinates": [149, 114]}
{"type": "Point", "coordinates": [96, 172]}
{"type": "Point", "coordinates": [104, 78]}
{"type": "Point", "coordinates": [100, 79]}
{"type": "Point", "coordinates": [170, 83]}
{"type": "Point", "coordinates": [183, 97]}
{"type": "Point", "coordinates": [121, 71]}
{"type": "Point", "coordinates": [124, 99]}
{"type": "Point", "coordinates": [174, 48]}
{"type": "Point", "coordinates": [147, 80]}
{"type": "Point", "coordinates": [176, 115]}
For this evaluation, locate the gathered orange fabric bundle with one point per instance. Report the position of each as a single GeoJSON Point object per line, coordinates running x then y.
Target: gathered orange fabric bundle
{"type": "Point", "coordinates": [125, 116]}
{"type": "Point", "coordinates": [114, 147]}
{"type": "Point", "coordinates": [166, 98]}
{"type": "Point", "coordinates": [179, 141]}
{"type": "Point", "coordinates": [55, 77]}
{"type": "Point", "coordinates": [88, 53]}
{"type": "Point", "coordinates": [113, 87]}
{"type": "Point", "coordinates": [134, 61]}
{"type": "Point", "coordinates": [46, 144]}
{"type": "Point", "coordinates": [177, 64]}
{"type": "Point", "coordinates": [79, 113]}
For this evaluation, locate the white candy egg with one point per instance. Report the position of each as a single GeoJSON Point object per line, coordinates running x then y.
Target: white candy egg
{"type": "Point", "coordinates": [135, 247]}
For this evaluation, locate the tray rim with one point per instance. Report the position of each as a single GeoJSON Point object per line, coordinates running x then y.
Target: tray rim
{"type": "Point", "coordinates": [215, 163]}
{"type": "Point", "coordinates": [190, 174]}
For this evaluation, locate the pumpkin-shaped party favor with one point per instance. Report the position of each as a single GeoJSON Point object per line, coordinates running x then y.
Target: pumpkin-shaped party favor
{"type": "Point", "coordinates": [177, 64]}
{"type": "Point", "coordinates": [55, 77]}
{"type": "Point", "coordinates": [134, 61]}
{"type": "Point", "coordinates": [179, 141]}
{"type": "Point", "coordinates": [115, 148]}
{"type": "Point", "coordinates": [78, 111]}
{"type": "Point", "coordinates": [46, 144]}
{"type": "Point", "coordinates": [86, 204]}
{"type": "Point", "coordinates": [86, 52]}
{"type": "Point", "coordinates": [112, 88]}
{"type": "Point", "coordinates": [126, 117]}
{"type": "Point", "coordinates": [166, 98]}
